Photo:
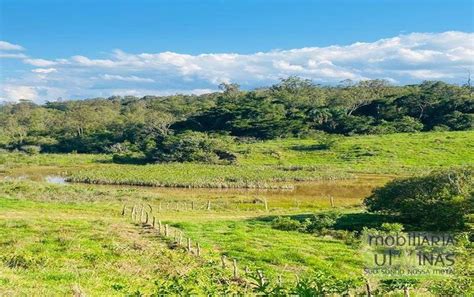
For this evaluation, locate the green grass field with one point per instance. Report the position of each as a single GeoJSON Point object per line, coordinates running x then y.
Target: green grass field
{"type": "Point", "coordinates": [59, 238]}
{"type": "Point", "coordinates": [268, 164]}
{"type": "Point", "coordinates": [70, 239]}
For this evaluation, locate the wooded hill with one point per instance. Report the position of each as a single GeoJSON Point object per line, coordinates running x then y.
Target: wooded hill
{"type": "Point", "coordinates": [293, 107]}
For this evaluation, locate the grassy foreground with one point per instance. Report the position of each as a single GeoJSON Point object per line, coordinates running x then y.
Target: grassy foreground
{"type": "Point", "coordinates": [71, 239]}
{"type": "Point", "coordinates": [62, 239]}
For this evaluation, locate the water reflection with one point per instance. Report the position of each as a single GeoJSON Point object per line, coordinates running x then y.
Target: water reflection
{"type": "Point", "coordinates": [55, 179]}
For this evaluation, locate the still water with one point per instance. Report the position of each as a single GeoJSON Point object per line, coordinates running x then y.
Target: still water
{"type": "Point", "coordinates": [349, 192]}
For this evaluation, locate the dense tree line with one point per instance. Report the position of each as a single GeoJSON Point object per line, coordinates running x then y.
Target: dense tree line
{"type": "Point", "coordinates": [158, 127]}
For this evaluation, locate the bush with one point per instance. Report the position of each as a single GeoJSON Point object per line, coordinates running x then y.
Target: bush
{"type": "Point", "coordinates": [456, 286]}
{"type": "Point", "coordinates": [349, 238]}
{"type": "Point", "coordinates": [286, 224]}
{"type": "Point", "coordinates": [121, 148]}
{"type": "Point", "coordinates": [438, 201]}
{"type": "Point", "coordinates": [193, 147]}
{"type": "Point", "coordinates": [322, 221]}
{"type": "Point", "coordinates": [408, 125]}
{"type": "Point", "coordinates": [323, 284]}
{"type": "Point", "coordinates": [317, 223]}
{"type": "Point", "coordinates": [459, 121]}
{"type": "Point", "coordinates": [440, 128]}
{"type": "Point", "coordinates": [326, 142]}
{"type": "Point", "coordinates": [31, 149]}
{"type": "Point", "coordinates": [391, 285]}
{"type": "Point", "coordinates": [392, 227]}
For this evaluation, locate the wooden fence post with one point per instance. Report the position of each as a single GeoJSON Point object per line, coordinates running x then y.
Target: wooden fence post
{"type": "Point", "coordinates": [133, 213]}
{"type": "Point", "coordinates": [234, 264]}
{"type": "Point", "coordinates": [166, 230]}
{"type": "Point", "coordinates": [159, 227]}
{"type": "Point", "coordinates": [123, 210]}
{"type": "Point", "coordinates": [153, 222]}
{"type": "Point", "coordinates": [198, 249]}
{"type": "Point", "coordinates": [151, 208]}
{"type": "Point", "coordinates": [406, 291]}
{"type": "Point", "coordinates": [208, 204]}
{"type": "Point", "coordinates": [192, 205]}
{"type": "Point", "coordinates": [177, 206]}
{"type": "Point", "coordinates": [146, 218]}
{"type": "Point", "coordinates": [331, 199]}
{"type": "Point", "coordinates": [369, 288]}
{"type": "Point", "coordinates": [224, 265]}
{"type": "Point", "coordinates": [266, 204]}
{"type": "Point", "coordinates": [189, 245]}
{"type": "Point", "coordinates": [261, 277]}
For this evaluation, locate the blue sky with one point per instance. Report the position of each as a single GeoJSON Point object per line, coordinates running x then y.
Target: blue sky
{"type": "Point", "coordinates": [76, 49]}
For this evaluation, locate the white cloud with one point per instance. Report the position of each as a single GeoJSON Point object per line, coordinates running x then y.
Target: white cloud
{"type": "Point", "coordinates": [12, 55]}
{"type": "Point", "coordinates": [15, 93]}
{"type": "Point", "coordinates": [164, 92]}
{"type": "Point", "coordinates": [425, 74]}
{"type": "Point", "coordinates": [84, 61]}
{"type": "Point", "coordinates": [131, 78]}
{"type": "Point", "coordinates": [430, 51]}
{"type": "Point", "coordinates": [403, 59]}
{"type": "Point", "coordinates": [44, 70]}
{"type": "Point", "coordinates": [7, 46]}
{"type": "Point", "coordinates": [40, 62]}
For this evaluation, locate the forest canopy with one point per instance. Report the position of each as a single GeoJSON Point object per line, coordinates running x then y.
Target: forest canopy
{"type": "Point", "coordinates": [294, 107]}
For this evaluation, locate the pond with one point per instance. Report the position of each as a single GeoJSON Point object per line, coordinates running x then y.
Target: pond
{"type": "Point", "coordinates": [346, 192]}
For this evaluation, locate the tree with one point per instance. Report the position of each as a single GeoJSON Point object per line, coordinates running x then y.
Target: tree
{"type": "Point", "coordinates": [158, 123]}
{"type": "Point", "coordinates": [438, 201]}
{"type": "Point", "coordinates": [292, 107]}
{"type": "Point", "coordinates": [192, 147]}
{"type": "Point", "coordinates": [229, 88]}
{"type": "Point", "coordinates": [354, 96]}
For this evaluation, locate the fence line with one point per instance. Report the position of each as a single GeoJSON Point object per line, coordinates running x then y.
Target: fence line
{"type": "Point", "coordinates": [178, 238]}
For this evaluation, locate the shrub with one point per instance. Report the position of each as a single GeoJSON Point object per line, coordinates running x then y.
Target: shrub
{"type": "Point", "coordinates": [322, 221]}
{"type": "Point", "coordinates": [193, 147]}
{"type": "Point", "coordinates": [348, 237]}
{"type": "Point", "coordinates": [326, 142]}
{"type": "Point", "coordinates": [31, 149]}
{"type": "Point", "coordinates": [391, 285]}
{"type": "Point", "coordinates": [440, 128]}
{"type": "Point", "coordinates": [438, 201]}
{"type": "Point", "coordinates": [456, 286]}
{"type": "Point", "coordinates": [286, 224]}
{"type": "Point", "coordinates": [392, 227]}
{"type": "Point", "coordinates": [121, 148]}
{"type": "Point", "coordinates": [323, 284]}
{"type": "Point", "coordinates": [459, 121]}
{"type": "Point", "coordinates": [408, 125]}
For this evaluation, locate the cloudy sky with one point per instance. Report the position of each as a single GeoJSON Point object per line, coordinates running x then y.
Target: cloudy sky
{"type": "Point", "coordinates": [51, 48]}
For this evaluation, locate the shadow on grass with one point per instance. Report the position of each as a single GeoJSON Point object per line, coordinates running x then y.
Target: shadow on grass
{"type": "Point", "coordinates": [309, 148]}
{"type": "Point", "coordinates": [125, 159]}
{"type": "Point", "coordinates": [347, 221]}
